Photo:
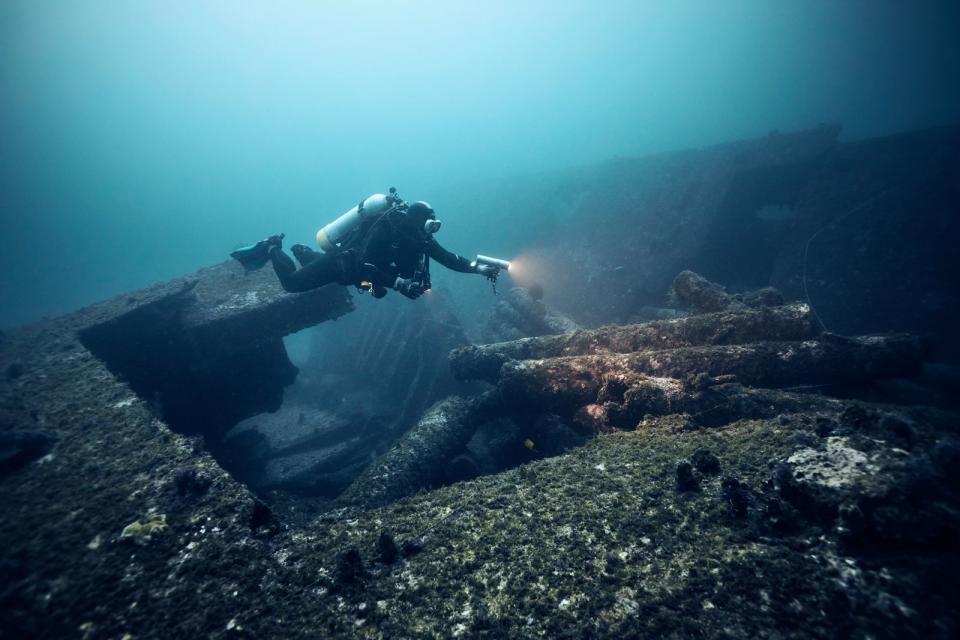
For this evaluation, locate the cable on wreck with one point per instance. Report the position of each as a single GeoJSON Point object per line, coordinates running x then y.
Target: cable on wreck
{"type": "Point", "coordinates": [806, 248]}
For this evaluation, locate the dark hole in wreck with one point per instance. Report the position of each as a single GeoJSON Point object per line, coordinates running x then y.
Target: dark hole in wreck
{"type": "Point", "coordinates": [298, 437]}
{"type": "Point", "coordinates": [200, 388]}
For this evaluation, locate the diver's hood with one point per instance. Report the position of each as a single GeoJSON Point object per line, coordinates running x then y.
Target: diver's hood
{"type": "Point", "coordinates": [420, 209]}
{"type": "Point", "coordinates": [422, 216]}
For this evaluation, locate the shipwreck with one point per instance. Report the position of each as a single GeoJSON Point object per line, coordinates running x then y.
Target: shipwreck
{"type": "Point", "coordinates": [769, 458]}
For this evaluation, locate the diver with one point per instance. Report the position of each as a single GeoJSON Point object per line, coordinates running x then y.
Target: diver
{"type": "Point", "coordinates": [380, 244]}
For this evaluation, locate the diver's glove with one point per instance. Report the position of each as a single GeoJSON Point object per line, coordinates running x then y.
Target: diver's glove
{"type": "Point", "coordinates": [488, 271]}
{"type": "Point", "coordinates": [408, 287]}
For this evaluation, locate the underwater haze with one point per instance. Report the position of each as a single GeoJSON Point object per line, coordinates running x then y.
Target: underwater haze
{"type": "Point", "coordinates": [141, 141]}
{"type": "Point", "coordinates": [693, 370]}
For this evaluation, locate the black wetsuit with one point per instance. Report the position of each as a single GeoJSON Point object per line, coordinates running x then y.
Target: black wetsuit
{"type": "Point", "coordinates": [390, 249]}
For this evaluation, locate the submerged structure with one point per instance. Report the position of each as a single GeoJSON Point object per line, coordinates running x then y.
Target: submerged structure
{"type": "Point", "coordinates": [731, 469]}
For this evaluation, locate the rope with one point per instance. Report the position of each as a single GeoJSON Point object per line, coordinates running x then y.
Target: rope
{"type": "Point", "coordinates": [806, 248]}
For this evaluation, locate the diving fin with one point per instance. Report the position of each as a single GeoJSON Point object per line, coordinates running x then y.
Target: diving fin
{"type": "Point", "coordinates": [254, 256]}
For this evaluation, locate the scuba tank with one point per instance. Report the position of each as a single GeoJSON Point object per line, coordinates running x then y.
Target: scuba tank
{"type": "Point", "coordinates": [330, 236]}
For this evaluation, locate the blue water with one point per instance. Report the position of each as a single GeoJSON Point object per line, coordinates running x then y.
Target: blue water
{"type": "Point", "coordinates": [141, 141]}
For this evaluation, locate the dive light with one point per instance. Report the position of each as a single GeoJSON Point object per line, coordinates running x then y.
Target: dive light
{"type": "Point", "coordinates": [492, 262]}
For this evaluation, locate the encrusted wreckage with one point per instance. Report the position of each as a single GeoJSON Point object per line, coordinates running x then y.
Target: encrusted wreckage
{"type": "Point", "coordinates": [730, 484]}
{"type": "Point", "coordinates": [206, 350]}
{"type": "Point", "coordinates": [711, 368]}
{"type": "Point", "coordinates": [522, 313]}
{"type": "Point", "coordinates": [725, 417]}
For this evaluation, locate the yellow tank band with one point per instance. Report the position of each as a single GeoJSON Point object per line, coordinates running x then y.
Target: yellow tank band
{"type": "Point", "coordinates": [324, 241]}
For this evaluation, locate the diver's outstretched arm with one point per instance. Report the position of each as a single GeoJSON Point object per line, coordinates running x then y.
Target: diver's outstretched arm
{"type": "Point", "coordinates": [449, 259]}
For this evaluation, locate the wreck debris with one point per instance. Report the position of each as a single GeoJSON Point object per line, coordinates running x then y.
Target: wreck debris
{"type": "Point", "coordinates": [577, 379]}
{"type": "Point", "coordinates": [714, 406]}
{"type": "Point", "coordinates": [614, 377]}
{"type": "Point", "coordinates": [417, 460]}
{"type": "Point", "coordinates": [208, 350]}
{"type": "Point", "coordinates": [712, 368]}
{"type": "Point", "coordinates": [406, 344]}
{"type": "Point", "coordinates": [301, 448]}
{"type": "Point", "coordinates": [765, 297]}
{"type": "Point", "coordinates": [790, 322]}
{"type": "Point", "coordinates": [692, 290]}
{"type": "Point", "coordinates": [522, 313]}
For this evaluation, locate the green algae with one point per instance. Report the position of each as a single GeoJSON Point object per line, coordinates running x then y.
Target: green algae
{"type": "Point", "coordinates": [569, 542]}
{"type": "Point", "coordinates": [142, 531]}
{"type": "Point", "coordinates": [598, 543]}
